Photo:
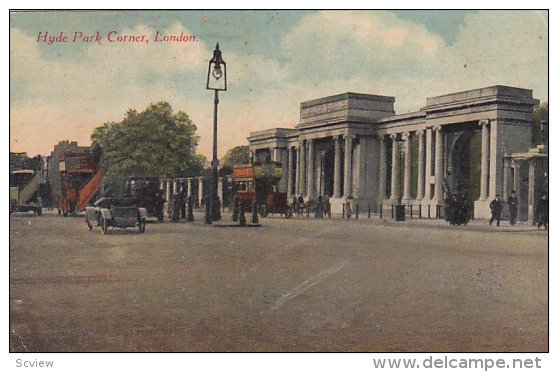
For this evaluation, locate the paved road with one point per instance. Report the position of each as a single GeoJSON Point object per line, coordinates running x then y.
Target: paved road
{"type": "Point", "coordinates": [290, 285]}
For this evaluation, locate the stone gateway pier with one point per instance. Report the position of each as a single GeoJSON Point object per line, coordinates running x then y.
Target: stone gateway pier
{"type": "Point", "coordinates": [354, 147]}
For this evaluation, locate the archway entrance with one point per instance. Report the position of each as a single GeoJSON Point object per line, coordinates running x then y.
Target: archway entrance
{"type": "Point", "coordinates": [464, 175]}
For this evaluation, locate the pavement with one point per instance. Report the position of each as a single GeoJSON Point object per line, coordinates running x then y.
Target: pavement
{"type": "Point", "coordinates": [288, 285]}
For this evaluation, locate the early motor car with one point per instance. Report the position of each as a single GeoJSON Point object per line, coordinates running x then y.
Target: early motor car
{"type": "Point", "coordinates": [115, 212]}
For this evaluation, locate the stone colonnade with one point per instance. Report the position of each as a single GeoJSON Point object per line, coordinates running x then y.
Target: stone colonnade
{"type": "Point", "coordinates": [193, 186]}
{"type": "Point", "coordinates": [302, 175]}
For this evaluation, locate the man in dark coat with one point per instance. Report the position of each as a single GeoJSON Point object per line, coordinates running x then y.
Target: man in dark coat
{"type": "Point", "coordinates": [496, 210]}
{"type": "Point", "coordinates": [542, 212]}
{"type": "Point", "coordinates": [182, 202]}
{"type": "Point", "coordinates": [159, 205]}
{"type": "Point", "coordinates": [512, 204]}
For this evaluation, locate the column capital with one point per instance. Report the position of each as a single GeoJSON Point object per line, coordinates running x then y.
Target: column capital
{"type": "Point", "coordinates": [437, 128]}
{"type": "Point", "coordinates": [393, 136]}
{"type": "Point", "coordinates": [420, 132]}
{"type": "Point", "coordinates": [406, 135]}
{"type": "Point", "coordinates": [484, 122]}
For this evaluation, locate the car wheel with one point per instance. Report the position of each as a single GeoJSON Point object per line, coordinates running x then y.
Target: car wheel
{"type": "Point", "coordinates": [142, 225]}
{"type": "Point", "coordinates": [104, 226]}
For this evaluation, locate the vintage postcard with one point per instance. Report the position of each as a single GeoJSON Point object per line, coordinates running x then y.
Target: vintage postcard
{"type": "Point", "coordinates": [279, 181]}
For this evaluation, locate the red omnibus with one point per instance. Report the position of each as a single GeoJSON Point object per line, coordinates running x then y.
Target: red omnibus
{"type": "Point", "coordinates": [259, 182]}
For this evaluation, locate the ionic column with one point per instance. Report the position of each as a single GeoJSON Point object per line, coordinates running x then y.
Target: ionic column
{"type": "Point", "coordinates": [297, 171]}
{"type": "Point", "coordinates": [189, 186]}
{"type": "Point", "coordinates": [161, 184]}
{"type": "Point", "coordinates": [303, 168]}
{"type": "Point", "coordinates": [347, 184]}
{"type": "Point", "coordinates": [428, 166]}
{"type": "Point", "coordinates": [495, 163]}
{"type": "Point", "coordinates": [168, 195]}
{"type": "Point", "coordinates": [290, 165]}
{"type": "Point", "coordinates": [311, 169]}
{"type": "Point", "coordinates": [407, 169]}
{"type": "Point", "coordinates": [220, 189]}
{"type": "Point", "coordinates": [200, 189]}
{"type": "Point", "coordinates": [174, 186]}
{"type": "Point", "coordinates": [394, 168]}
{"type": "Point", "coordinates": [337, 168]}
{"type": "Point", "coordinates": [485, 146]}
{"type": "Point", "coordinates": [383, 169]}
{"type": "Point", "coordinates": [517, 177]}
{"type": "Point", "coordinates": [438, 165]}
{"type": "Point", "coordinates": [507, 174]}
{"type": "Point", "coordinates": [420, 181]}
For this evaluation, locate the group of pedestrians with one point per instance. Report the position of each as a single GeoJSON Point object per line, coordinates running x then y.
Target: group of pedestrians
{"type": "Point", "coordinates": [497, 205]}
{"type": "Point", "coordinates": [457, 209]}
{"type": "Point", "coordinates": [321, 208]}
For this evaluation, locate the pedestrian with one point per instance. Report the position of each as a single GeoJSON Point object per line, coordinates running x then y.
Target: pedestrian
{"type": "Point", "coordinates": [236, 208]}
{"type": "Point", "coordinates": [496, 210]}
{"type": "Point", "coordinates": [190, 208]}
{"type": "Point", "coordinates": [159, 205]}
{"type": "Point", "coordinates": [182, 203]}
{"type": "Point", "coordinates": [448, 208]}
{"type": "Point", "coordinates": [542, 212]}
{"type": "Point", "coordinates": [300, 206]}
{"type": "Point", "coordinates": [217, 209]}
{"type": "Point", "coordinates": [327, 206]}
{"type": "Point", "coordinates": [294, 203]}
{"type": "Point", "coordinates": [175, 208]}
{"type": "Point", "coordinates": [319, 213]}
{"type": "Point", "coordinates": [348, 208]}
{"type": "Point", "coordinates": [464, 208]}
{"type": "Point", "coordinates": [512, 205]}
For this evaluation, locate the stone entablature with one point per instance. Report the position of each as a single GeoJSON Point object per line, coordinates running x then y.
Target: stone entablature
{"type": "Point", "coordinates": [364, 139]}
{"type": "Point", "coordinates": [345, 107]}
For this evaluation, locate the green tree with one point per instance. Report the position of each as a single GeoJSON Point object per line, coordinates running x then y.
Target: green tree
{"type": "Point", "coordinates": [540, 113]}
{"type": "Point", "coordinates": [154, 142]}
{"type": "Point", "coordinates": [235, 156]}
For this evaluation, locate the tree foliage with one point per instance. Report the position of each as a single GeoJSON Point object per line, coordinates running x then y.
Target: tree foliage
{"type": "Point", "coordinates": [540, 113]}
{"type": "Point", "coordinates": [154, 142]}
{"type": "Point", "coordinates": [235, 156]}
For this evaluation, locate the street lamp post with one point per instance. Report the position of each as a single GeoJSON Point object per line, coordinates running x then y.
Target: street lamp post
{"type": "Point", "coordinates": [216, 81]}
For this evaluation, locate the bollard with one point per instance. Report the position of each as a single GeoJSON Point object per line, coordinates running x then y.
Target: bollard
{"type": "Point", "coordinates": [381, 211]}
{"type": "Point", "coordinates": [236, 202]}
{"type": "Point", "coordinates": [392, 212]}
{"type": "Point", "coordinates": [343, 213]}
{"type": "Point", "coordinates": [242, 215]}
{"type": "Point", "coordinates": [420, 211]}
{"type": "Point", "coordinates": [190, 212]}
{"type": "Point", "coordinates": [356, 215]}
{"type": "Point", "coordinates": [368, 210]}
{"type": "Point", "coordinates": [428, 211]}
{"type": "Point", "coordinates": [308, 210]}
{"type": "Point", "coordinates": [255, 213]}
{"type": "Point", "coordinates": [411, 210]}
{"type": "Point", "coordinates": [207, 213]}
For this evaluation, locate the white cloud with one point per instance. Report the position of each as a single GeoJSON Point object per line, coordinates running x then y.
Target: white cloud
{"type": "Point", "coordinates": [327, 53]}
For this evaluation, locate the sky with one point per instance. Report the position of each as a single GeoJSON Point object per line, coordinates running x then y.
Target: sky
{"type": "Point", "coordinates": [275, 60]}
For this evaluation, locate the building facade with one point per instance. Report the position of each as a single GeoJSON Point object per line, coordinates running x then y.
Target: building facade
{"type": "Point", "coordinates": [353, 146]}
